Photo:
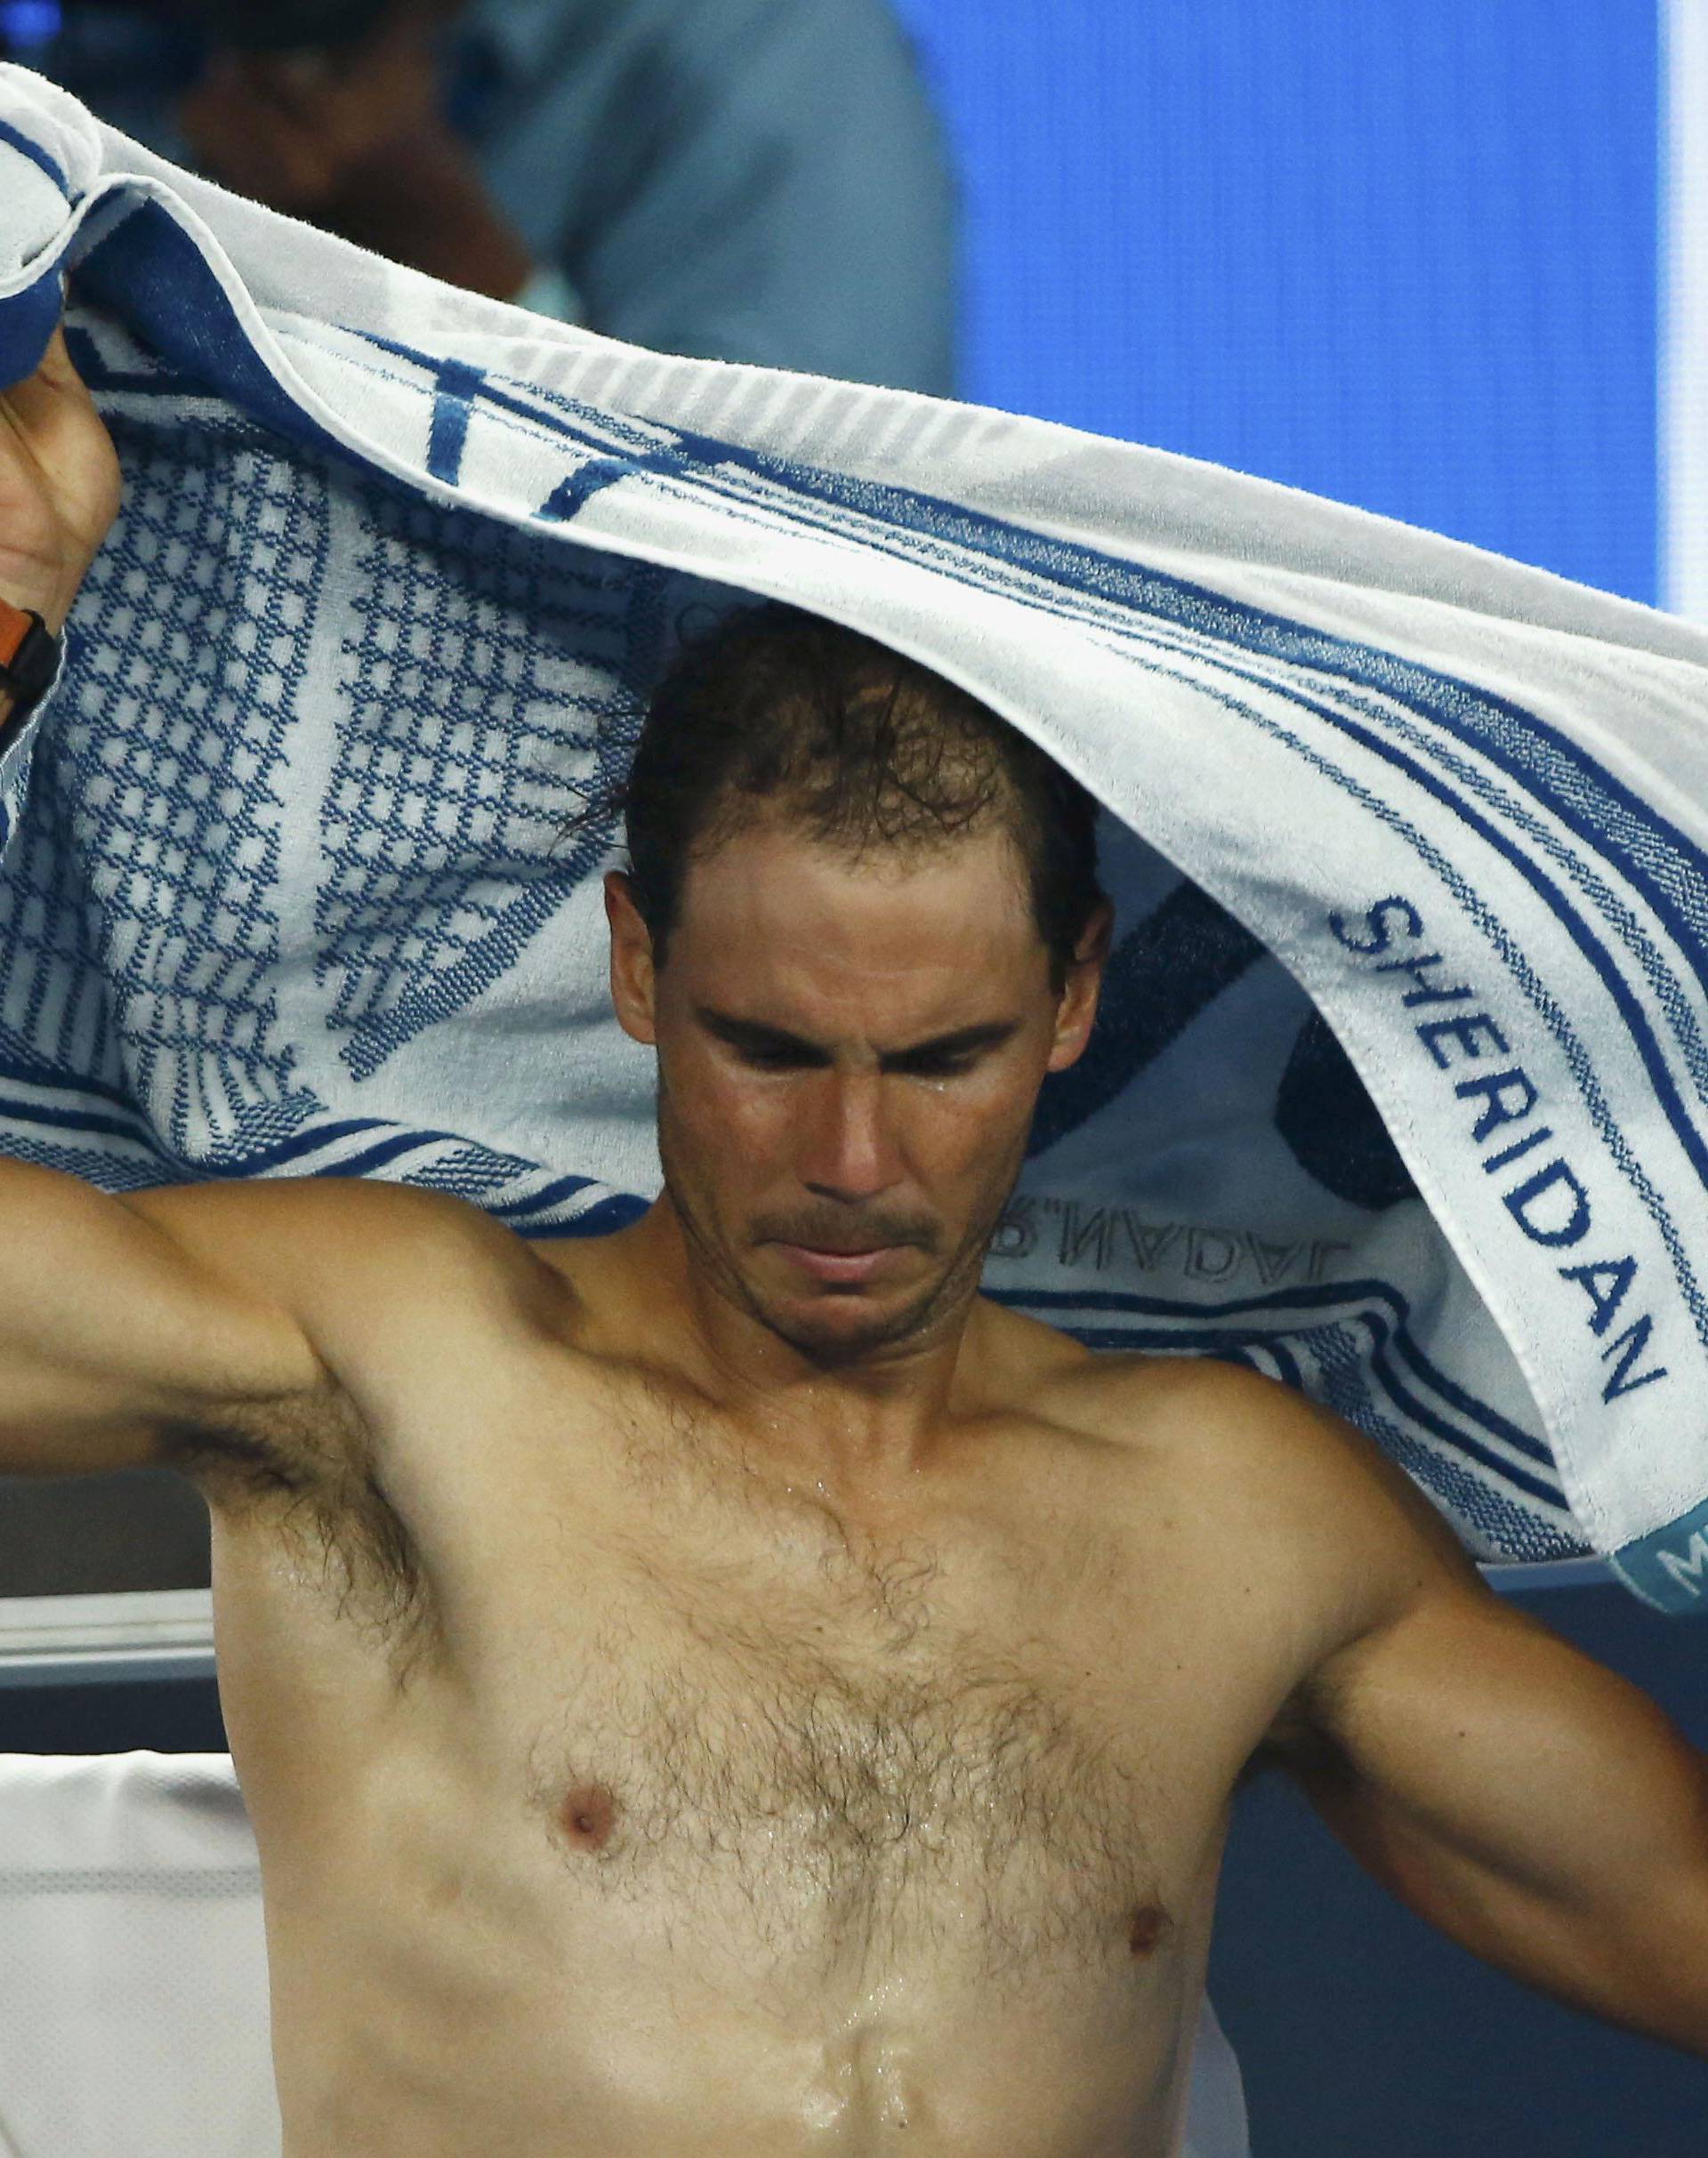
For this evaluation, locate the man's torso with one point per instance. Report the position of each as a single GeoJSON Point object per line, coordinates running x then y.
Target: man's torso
{"type": "Point", "coordinates": [615, 1795]}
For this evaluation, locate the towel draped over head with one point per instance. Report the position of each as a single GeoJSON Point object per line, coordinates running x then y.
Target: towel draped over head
{"type": "Point", "coordinates": [1400, 1092]}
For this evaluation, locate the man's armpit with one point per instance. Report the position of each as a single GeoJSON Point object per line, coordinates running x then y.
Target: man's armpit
{"type": "Point", "coordinates": [1297, 1744]}
{"type": "Point", "coordinates": [263, 1450]}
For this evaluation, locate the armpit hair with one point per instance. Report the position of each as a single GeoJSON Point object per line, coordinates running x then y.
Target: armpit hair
{"type": "Point", "coordinates": [307, 1470]}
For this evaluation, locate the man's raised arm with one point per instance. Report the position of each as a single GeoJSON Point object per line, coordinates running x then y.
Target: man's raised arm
{"type": "Point", "coordinates": [150, 1328]}
{"type": "Point", "coordinates": [1526, 1800]}
{"type": "Point", "coordinates": [114, 1332]}
{"type": "Point", "coordinates": [120, 1341]}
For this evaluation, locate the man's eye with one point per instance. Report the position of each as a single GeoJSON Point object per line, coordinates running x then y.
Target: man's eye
{"type": "Point", "coordinates": [774, 1060]}
{"type": "Point", "coordinates": [935, 1067]}
{"type": "Point", "coordinates": [782, 1059]}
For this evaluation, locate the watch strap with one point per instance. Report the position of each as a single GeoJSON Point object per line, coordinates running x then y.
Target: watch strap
{"type": "Point", "coordinates": [29, 659]}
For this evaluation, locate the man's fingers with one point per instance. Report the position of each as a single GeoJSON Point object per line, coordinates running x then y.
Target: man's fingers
{"type": "Point", "coordinates": [52, 423]}
{"type": "Point", "coordinates": [59, 486]}
{"type": "Point", "coordinates": [43, 404]}
{"type": "Point", "coordinates": [30, 404]}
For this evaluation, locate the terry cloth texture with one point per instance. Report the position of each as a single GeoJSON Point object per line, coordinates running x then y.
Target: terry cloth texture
{"type": "Point", "coordinates": [1401, 1091]}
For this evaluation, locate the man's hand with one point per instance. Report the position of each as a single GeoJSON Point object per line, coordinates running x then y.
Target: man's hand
{"type": "Point", "coordinates": [59, 487]}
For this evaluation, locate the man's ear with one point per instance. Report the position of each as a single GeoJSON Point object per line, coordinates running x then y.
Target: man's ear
{"type": "Point", "coordinates": [633, 977]}
{"type": "Point", "coordinates": [1077, 1011]}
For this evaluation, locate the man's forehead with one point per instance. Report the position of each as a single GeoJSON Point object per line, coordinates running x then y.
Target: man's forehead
{"type": "Point", "coordinates": [802, 940]}
{"type": "Point", "coordinates": [770, 868]}
{"type": "Point", "coordinates": [787, 901]}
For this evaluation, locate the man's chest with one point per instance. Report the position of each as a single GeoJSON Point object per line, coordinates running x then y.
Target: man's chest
{"type": "Point", "coordinates": [690, 1697]}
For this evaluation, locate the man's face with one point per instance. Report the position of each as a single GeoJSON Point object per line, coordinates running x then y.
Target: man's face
{"type": "Point", "coordinates": [849, 1054]}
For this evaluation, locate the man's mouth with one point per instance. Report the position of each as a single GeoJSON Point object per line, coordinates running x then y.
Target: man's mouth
{"type": "Point", "coordinates": [851, 1263]}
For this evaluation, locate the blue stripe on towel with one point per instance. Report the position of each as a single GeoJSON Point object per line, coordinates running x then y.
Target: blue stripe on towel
{"type": "Point", "coordinates": [131, 1127]}
{"type": "Point", "coordinates": [27, 321]}
{"type": "Point", "coordinates": [533, 1201]}
{"type": "Point", "coordinates": [1377, 1304]}
{"type": "Point", "coordinates": [454, 390]}
{"type": "Point", "coordinates": [27, 147]}
{"type": "Point", "coordinates": [311, 1154]}
{"type": "Point", "coordinates": [610, 1214]}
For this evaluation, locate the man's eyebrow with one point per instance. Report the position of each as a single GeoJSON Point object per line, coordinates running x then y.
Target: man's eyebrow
{"type": "Point", "coordinates": [753, 1033]}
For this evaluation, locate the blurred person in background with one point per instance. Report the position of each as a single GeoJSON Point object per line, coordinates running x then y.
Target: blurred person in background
{"type": "Point", "coordinates": [741, 180]}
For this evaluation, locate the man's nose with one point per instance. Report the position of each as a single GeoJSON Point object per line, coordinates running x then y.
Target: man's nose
{"type": "Point", "coordinates": [848, 1150]}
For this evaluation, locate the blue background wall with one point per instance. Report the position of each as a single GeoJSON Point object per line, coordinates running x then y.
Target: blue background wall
{"type": "Point", "coordinates": [1401, 255]}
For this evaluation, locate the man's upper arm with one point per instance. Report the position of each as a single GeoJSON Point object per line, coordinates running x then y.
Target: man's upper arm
{"type": "Point", "coordinates": [146, 1330]}
{"type": "Point", "coordinates": [1528, 1801]}
{"type": "Point", "coordinates": [370, 1278]}
{"type": "Point", "coordinates": [112, 1329]}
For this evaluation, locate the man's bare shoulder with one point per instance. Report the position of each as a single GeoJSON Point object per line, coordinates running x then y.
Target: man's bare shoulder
{"type": "Point", "coordinates": [326, 1230]}
{"type": "Point", "coordinates": [1286, 1486]}
{"type": "Point", "coordinates": [393, 1287]}
{"type": "Point", "coordinates": [368, 1271]}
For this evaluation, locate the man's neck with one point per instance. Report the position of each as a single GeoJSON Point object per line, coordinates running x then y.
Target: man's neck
{"type": "Point", "coordinates": [866, 1424]}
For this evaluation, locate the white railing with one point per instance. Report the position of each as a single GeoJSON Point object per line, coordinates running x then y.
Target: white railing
{"type": "Point", "coordinates": [60, 1640]}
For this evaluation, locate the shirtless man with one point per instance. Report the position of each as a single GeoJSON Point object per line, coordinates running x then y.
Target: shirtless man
{"type": "Point", "coordinates": [729, 1689]}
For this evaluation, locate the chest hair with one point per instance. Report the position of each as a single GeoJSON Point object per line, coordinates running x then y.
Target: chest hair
{"type": "Point", "coordinates": [823, 1753]}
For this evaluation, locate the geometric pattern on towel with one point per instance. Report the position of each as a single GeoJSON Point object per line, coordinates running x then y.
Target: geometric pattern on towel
{"type": "Point", "coordinates": [525, 676]}
{"type": "Point", "coordinates": [156, 806]}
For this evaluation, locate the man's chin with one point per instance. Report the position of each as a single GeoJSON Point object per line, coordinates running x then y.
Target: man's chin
{"type": "Point", "coordinates": [840, 1324]}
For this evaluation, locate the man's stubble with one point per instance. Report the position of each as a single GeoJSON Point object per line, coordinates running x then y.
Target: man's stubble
{"type": "Point", "coordinates": [937, 1306]}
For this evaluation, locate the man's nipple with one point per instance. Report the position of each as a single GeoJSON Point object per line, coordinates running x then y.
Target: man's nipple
{"type": "Point", "coordinates": [1145, 1929]}
{"type": "Point", "coordinates": [589, 1816]}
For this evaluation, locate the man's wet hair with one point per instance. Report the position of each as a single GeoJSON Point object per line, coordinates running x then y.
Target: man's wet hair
{"type": "Point", "coordinates": [773, 711]}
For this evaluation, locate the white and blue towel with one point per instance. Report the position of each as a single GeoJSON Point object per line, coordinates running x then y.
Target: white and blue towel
{"type": "Point", "coordinates": [1401, 1090]}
